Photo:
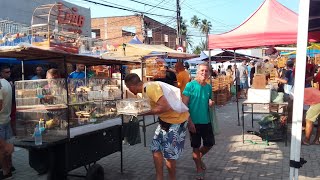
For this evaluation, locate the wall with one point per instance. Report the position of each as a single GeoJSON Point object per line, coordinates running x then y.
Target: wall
{"type": "Point", "coordinates": [111, 29]}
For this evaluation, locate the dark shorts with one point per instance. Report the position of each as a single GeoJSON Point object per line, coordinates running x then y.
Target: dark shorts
{"type": "Point", "coordinates": [204, 132]}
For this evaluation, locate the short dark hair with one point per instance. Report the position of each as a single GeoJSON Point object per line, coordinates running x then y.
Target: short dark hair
{"type": "Point", "coordinates": [2, 67]}
{"type": "Point", "coordinates": [132, 79]}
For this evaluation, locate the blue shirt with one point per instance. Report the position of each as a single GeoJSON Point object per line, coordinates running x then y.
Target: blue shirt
{"type": "Point", "coordinates": [35, 77]}
{"type": "Point", "coordinates": [77, 75]}
{"type": "Point", "coordinates": [198, 101]}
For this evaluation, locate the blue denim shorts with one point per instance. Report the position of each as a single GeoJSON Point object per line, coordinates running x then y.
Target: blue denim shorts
{"type": "Point", "coordinates": [170, 142]}
{"type": "Point", "coordinates": [5, 131]}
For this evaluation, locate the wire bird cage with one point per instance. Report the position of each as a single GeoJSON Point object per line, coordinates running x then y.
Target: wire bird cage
{"type": "Point", "coordinates": [56, 25]}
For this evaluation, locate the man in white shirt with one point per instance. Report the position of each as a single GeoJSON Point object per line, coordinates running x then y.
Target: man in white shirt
{"type": "Point", "coordinates": [5, 127]}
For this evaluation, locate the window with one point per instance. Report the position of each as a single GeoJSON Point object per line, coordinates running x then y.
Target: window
{"type": "Point", "coordinates": [128, 31]}
{"type": "Point", "coordinates": [97, 32]}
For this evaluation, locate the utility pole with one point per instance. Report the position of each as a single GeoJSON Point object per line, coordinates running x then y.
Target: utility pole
{"type": "Point", "coordinates": [178, 24]}
{"type": "Point", "coordinates": [143, 29]}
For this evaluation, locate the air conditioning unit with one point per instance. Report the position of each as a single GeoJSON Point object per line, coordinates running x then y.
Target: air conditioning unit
{"type": "Point", "coordinates": [166, 38]}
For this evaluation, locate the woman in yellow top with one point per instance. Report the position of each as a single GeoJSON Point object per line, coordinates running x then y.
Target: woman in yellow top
{"type": "Point", "coordinates": [169, 138]}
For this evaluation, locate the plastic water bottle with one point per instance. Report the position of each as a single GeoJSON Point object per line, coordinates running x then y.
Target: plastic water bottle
{"type": "Point", "coordinates": [37, 136]}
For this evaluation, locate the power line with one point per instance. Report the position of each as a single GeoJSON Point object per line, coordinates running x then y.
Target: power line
{"type": "Point", "coordinates": [206, 15]}
{"type": "Point", "coordinates": [154, 6]}
{"type": "Point", "coordinates": [125, 9]}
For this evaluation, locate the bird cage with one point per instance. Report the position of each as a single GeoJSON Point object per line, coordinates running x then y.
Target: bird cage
{"type": "Point", "coordinates": [58, 26]}
{"type": "Point", "coordinates": [155, 67]}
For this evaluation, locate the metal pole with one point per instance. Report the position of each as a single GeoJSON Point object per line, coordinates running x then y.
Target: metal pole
{"type": "Point", "coordinates": [178, 23]}
{"type": "Point", "coordinates": [235, 75]}
{"type": "Point", "coordinates": [67, 89]}
{"type": "Point", "coordinates": [22, 69]}
{"type": "Point", "coordinates": [299, 83]}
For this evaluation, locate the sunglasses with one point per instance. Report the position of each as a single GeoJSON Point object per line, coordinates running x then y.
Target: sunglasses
{"type": "Point", "coordinates": [6, 72]}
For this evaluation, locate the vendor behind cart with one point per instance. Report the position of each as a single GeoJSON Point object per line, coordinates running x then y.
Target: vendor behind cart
{"type": "Point", "coordinates": [171, 124]}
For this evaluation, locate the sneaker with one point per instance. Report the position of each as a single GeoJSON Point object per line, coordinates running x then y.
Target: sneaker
{"type": "Point", "coordinates": [8, 176]}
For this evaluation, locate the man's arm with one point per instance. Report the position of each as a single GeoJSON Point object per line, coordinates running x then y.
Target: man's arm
{"type": "Point", "coordinates": [191, 127]}
{"type": "Point", "coordinates": [162, 106]}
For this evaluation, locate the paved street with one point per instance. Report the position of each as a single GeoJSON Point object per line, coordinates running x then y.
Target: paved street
{"type": "Point", "coordinates": [229, 159]}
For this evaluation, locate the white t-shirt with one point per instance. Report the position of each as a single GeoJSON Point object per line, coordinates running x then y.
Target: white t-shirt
{"type": "Point", "coordinates": [6, 97]}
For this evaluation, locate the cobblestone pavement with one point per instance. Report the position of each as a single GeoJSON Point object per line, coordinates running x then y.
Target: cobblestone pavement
{"type": "Point", "coordinates": [229, 158]}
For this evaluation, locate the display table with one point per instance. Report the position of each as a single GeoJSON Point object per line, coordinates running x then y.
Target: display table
{"type": "Point", "coordinates": [251, 104]}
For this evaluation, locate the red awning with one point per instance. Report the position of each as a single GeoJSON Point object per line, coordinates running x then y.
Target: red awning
{"type": "Point", "coordinates": [271, 24]}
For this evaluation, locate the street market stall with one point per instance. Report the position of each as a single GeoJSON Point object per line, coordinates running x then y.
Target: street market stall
{"type": "Point", "coordinates": [79, 123]}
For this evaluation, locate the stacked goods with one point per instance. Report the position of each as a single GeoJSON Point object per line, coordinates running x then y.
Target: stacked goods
{"type": "Point", "coordinates": [155, 67]}
{"type": "Point", "coordinates": [221, 89]}
{"type": "Point", "coordinates": [282, 61]}
{"type": "Point", "coordinates": [317, 59]}
{"type": "Point", "coordinates": [273, 74]}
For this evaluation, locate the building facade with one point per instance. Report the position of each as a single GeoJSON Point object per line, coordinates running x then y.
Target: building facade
{"type": "Point", "coordinates": [121, 29]}
{"type": "Point", "coordinates": [16, 15]}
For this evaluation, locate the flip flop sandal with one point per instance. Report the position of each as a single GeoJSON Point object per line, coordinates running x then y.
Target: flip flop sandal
{"type": "Point", "coordinates": [305, 143]}
{"type": "Point", "coordinates": [200, 175]}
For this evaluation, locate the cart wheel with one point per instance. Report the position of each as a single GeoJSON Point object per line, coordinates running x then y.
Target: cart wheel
{"type": "Point", "coordinates": [95, 172]}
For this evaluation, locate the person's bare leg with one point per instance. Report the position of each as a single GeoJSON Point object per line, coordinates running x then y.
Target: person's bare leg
{"type": "Point", "coordinates": [309, 126]}
{"type": "Point", "coordinates": [158, 163]}
{"type": "Point", "coordinates": [171, 166]}
{"type": "Point", "coordinates": [316, 139]}
{"type": "Point", "coordinates": [196, 154]}
{"type": "Point", "coordinates": [203, 150]}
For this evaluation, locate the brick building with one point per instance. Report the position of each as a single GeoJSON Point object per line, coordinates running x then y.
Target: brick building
{"type": "Point", "coordinates": [121, 29]}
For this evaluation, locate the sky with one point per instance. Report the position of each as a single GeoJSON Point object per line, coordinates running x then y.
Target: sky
{"type": "Point", "coordinates": [224, 15]}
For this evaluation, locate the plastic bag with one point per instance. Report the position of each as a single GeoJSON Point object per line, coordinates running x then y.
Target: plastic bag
{"type": "Point", "coordinates": [173, 96]}
{"type": "Point", "coordinates": [131, 131]}
{"type": "Point", "coordinates": [214, 121]}
{"type": "Point", "coordinates": [233, 90]}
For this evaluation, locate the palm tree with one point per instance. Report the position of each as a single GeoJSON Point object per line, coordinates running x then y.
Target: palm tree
{"type": "Point", "coordinates": [185, 32]}
{"type": "Point", "coordinates": [205, 28]}
{"type": "Point", "coordinates": [200, 47]}
{"type": "Point", "coordinates": [195, 21]}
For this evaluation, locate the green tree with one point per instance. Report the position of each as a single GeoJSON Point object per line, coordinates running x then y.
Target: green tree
{"type": "Point", "coordinates": [195, 21]}
{"type": "Point", "coordinates": [204, 26]}
{"type": "Point", "coordinates": [200, 47]}
{"type": "Point", "coordinates": [185, 32]}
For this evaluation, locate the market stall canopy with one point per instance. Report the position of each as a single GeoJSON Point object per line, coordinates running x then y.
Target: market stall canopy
{"type": "Point", "coordinates": [311, 51]}
{"type": "Point", "coordinates": [203, 57]}
{"type": "Point", "coordinates": [137, 51]}
{"type": "Point", "coordinates": [271, 24]}
{"type": "Point", "coordinates": [34, 53]}
{"type": "Point", "coordinates": [135, 40]}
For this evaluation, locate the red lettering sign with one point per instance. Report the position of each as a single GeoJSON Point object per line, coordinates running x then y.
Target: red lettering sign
{"type": "Point", "coordinates": [69, 16]}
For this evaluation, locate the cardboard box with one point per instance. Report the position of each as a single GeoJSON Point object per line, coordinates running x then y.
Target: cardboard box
{"type": "Point", "coordinates": [259, 81]}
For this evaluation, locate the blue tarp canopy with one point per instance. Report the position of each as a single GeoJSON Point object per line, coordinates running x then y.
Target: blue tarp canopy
{"type": "Point", "coordinates": [135, 40]}
{"type": "Point", "coordinates": [310, 53]}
